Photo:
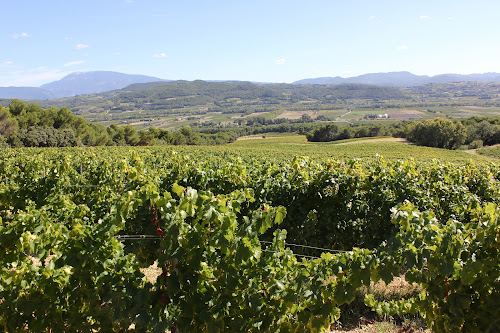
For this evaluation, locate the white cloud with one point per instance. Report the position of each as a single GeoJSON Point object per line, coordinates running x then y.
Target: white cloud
{"type": "Point", "coordinates": [373, 17]}
{"type": "Point", "coordinates": [32, 77]}
{"type": "Point", "coordinates": [425, 17]}
{"type": "Point", "coordinates": [402, 47]}
{"type": "Point", "coordinates": [160, 55]}
{"type": "Point", "coordinates": [6, 63]}
{"type": "Point", "coordinates": [280, 61]}
{"type": "Point", "coordinates": [21, 35]}
{"type": "Point", "coordinates": [74, 63]}
{"type": "Point", "coordinates": [81, 46]}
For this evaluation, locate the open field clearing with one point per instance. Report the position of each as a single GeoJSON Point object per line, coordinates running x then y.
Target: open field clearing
{"type": "Point", "coordinates": [405, 114]}
{"type": "Point", "coordinates": [294, 115]}
{"type": "Point", "coordinates": [493, 151]}
{"type": "Point", "coordinates": [366, 149]}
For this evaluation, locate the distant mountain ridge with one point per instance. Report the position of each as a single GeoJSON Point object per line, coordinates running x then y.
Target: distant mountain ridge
{"type": "Point", "coordinates": [78, 83]}
{"type": "Point", "coordinates": [82, 83]}
{"type": "Point", "coordinates": [26, 93]}
{"type": "Point", "coordinates": [403, 79]}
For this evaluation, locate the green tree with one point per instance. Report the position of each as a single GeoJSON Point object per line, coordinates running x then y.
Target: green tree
{"type": "Point", "coordinates": [64, 118]}
{"type": "Point", "coordinates": [438, 132]}
{"type": "Point", "coordinates": [116, 135]}
{"type": "Point", "coordinates": [324, 134]}
{"type": "Point", "coordinates": [178, 138]}
{"type": "Point", "coordinates": [16, 107]}
{"type": "Point", "coordinates": [131, 136]}
{"type": "Point", "coordinates": [8, 124]}
{"type": "Point", "coordinates": [146, 138]}
{"type": "Point", "coordinates": [95, 135]}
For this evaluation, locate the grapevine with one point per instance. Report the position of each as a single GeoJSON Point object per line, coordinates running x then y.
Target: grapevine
{"type": "Point", "coordinates": [222, 223]}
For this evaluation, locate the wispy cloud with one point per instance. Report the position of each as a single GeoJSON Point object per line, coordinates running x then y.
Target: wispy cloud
{"type": "Point", "coordinates": [81, 46]}
{"type": "Point", "coordinates": [21, 35]}
{"type": "Point", "coordinates": [371, 18]}
{"type": "Point", "coordinates": [402, 47]}
{"type": "Point", "coordinates": [74, 63]}
{"type": "Point", "coordinates": [6, 63]}
{"type": "Point", "coordinates": [160, 55]}
{"type": "Point", "coordinates": [424, 17]}
{"type": "Point", "coordinates": [280, 61]}
{"type": "Point", "coordinates": [32, 77]}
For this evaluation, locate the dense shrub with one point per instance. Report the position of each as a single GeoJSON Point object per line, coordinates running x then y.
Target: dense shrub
{"type": "Point", "coordinates": [438, 132]}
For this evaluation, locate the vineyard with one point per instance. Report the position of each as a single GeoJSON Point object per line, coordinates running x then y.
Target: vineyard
{"type": "Point", "coordinates": [245, 240]}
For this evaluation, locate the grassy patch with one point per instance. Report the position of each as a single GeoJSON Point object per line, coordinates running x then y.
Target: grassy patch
{"type": "Point", "coordinates": [367, 149]}
{"type": "Point", "coordinates": [386, 326]}
{"type": "Point", "coordinates": [490, 151]}
{"type": "Point", "coordinates": [356, 317]}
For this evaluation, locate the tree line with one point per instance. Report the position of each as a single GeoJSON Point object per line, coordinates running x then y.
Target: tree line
{"type": "Point", "coordinates": [438, 132]}
{"type": "Point", "coordinates": [29, 125]}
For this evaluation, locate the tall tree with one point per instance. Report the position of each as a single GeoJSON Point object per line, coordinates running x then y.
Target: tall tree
{"type": "Point", "coordinates": [8, 124]}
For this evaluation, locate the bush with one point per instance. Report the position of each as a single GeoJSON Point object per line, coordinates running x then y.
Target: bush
{"type": "Point", "coordinates": [438, 132]}
{"type": "Point", "coordinates": [476, 144]}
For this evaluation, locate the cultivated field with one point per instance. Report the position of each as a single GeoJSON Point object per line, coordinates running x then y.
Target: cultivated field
{"type": "Point", "coordinates": [262, 235]}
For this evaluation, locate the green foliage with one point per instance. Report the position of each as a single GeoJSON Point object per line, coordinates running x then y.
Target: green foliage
{"type": "Point", "coordinates": [32, 126]}
{"type": "Point", "coordinates": [487, 130]}
{"type": "Point", "coordinates": [16, 107]}
{"type": "Point", "coordinates": [332, 132]}
{"type": "Point", "coordinates": [23, 125]}
{"type": "Point", "coordinates": [476, 144]}
{"type": "Point", "coordinates": [456, 262]}
{"type": "Point", "coordinates": [181, 94]}
{"type": "Point", "coordinates": [8, 124]}
{"type": "Point", "coordinates": [61, 212]}
{"type": "Point", "coordinates": [43, 137]}
{"type": "Point", "coordinates": [438, 132]}
{"type": "Point", "coordinates": [490, 151]}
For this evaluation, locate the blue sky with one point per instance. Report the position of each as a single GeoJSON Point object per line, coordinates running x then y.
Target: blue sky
{"type": "Point", "coordinates": [257, 40]}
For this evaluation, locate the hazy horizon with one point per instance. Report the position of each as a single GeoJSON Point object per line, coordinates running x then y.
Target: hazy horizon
{"type": "Point", "coordinates": [345, 77]}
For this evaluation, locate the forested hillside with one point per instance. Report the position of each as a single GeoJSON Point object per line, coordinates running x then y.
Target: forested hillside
{"type": "Point", "coordinates": [180, 94]}
{"type": "Point", "coordinates": [171, 105]}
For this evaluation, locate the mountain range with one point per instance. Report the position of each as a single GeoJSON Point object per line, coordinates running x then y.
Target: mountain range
{"type": "Point", "coordinates": [403, 79]}
{"type": "Point", "coordinates": [80, 83]}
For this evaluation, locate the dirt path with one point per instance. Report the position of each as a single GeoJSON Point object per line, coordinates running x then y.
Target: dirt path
{"type": "Point", "coordinates": [474, 151]}
{"type": "Point", "coordinates": [471, 151]}
{"type": "Point", "coordinates": [403, 140]}
{"type": "Point", "coordinates": [345, 114]}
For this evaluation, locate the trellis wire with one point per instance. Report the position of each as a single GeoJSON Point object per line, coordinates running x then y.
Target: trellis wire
{"type": "Point", "coordinates": [154, 237]}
